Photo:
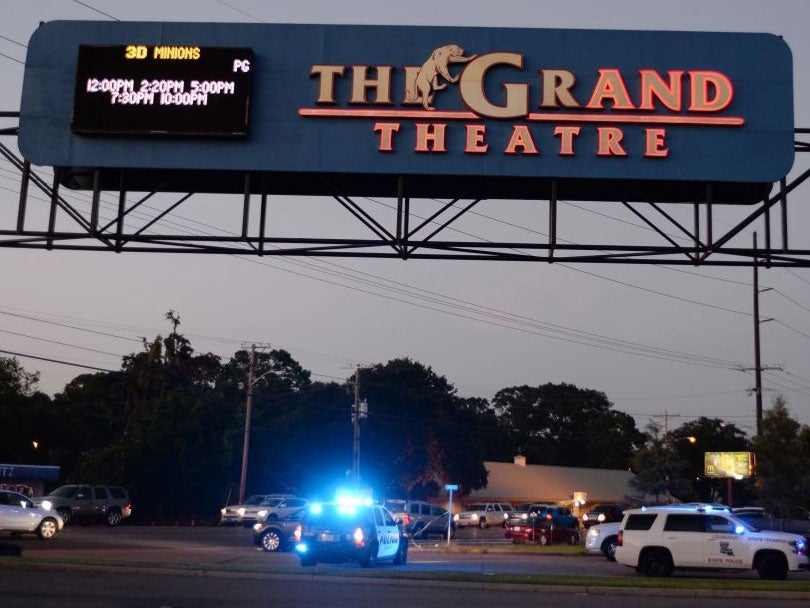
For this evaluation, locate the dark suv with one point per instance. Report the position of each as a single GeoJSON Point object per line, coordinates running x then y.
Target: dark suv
{"type": "Point", "coordinates": [87, 503]}
{"type": "Point", "coordinates": [601, 514]}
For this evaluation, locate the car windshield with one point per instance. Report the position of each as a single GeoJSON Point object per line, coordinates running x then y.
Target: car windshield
{"type": "Point", "coordinates": [477, 508]}
{"type": "Point", "coordinates": [254, 500]}
{"type": "Point", "coordinates": [741, 522]}
{"type": "Point", "coordinates": [271, 502]}
{"type": "Point", "coordinates": [395, 505]}
{"type": "Point", "coordinates": [64, 491]}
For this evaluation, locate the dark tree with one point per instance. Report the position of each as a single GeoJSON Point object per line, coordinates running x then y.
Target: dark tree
{"type": "Point", "coordinates": [560, 424]}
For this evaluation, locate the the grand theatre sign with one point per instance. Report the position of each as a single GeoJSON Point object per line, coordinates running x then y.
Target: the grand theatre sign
{"type": "Point", "coordinates": [433, 111]}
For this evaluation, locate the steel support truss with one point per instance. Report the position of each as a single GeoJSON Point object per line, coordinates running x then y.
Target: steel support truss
{"type": "Point", "coordinates": [409, 236]}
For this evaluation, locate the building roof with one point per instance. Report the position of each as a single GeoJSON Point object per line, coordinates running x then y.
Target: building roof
{"type": "Point", "coordinates": [520, 482]}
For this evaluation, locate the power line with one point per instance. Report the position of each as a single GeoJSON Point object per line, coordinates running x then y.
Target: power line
{"type": "Point", "coordinates": [239, 10]}
{"type": "Point", "coordinates": [12, 58]}
{"type": "Point", "coordinates": [93, 8]}
{"type": "Point", "coordinates": [25, 46]}
{"type": "Point", "coordinates": [92, 350]}
{"type": "Point", "coordinates": [59, 361]}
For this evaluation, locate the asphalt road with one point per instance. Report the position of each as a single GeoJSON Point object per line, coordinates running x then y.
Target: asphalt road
{"type": "Point", "coordinates": [202, 567]}
{"type": "Point", "coordinates": [233, 546]}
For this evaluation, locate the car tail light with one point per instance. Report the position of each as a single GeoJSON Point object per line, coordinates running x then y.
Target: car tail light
{"type": "Point", "coordinates": [297, 533]}
{"type": "Point", "coordinates": [359, 537]}
{"type": "Point", "coordinates": [620, 538]}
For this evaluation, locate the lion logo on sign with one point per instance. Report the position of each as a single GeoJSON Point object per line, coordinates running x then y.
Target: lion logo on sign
{"type": "Point", "coordinates": [426, 82]}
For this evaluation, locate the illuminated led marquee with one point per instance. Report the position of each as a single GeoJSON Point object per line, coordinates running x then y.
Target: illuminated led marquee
{"type": "Point", "coordinates": [137, 89]}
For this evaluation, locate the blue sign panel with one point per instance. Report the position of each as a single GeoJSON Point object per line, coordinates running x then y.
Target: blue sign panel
{"type": "Point", "coordinates": [498, 112]}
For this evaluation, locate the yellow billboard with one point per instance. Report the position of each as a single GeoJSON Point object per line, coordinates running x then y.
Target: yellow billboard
{"type": "Point", "coordinates": [736, 465]}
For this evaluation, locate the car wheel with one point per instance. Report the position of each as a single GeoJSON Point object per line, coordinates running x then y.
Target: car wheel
{"type": "Point", "coordinates": [370, 558]}
{"type": "Point", "coordinates": [482, 523]}
{"type": "Point", "coordinates": [271, 541]}
{"type": "Point", "coordinates": [65, 513]}
{"type": "Point", "coordinates": [656, 563]}
{"type": "Point", "coordinates": [772, 567]}
{"type": "Point", "coordinates": [609, 548]}
{"type": "Point", "coordinates": [113, 517]}
{"type": "Point", "coordinates": [402, 553]}
{"type": "Point", "coordinates": [47, 528]}
{"type": "Point", "coordinates": [542, 540]}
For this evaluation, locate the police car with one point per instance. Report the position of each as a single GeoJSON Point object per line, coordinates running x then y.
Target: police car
{"type": "Point", "coordinates": [657, 540]}
{"type": "Point", "coordinates": [350, 530]}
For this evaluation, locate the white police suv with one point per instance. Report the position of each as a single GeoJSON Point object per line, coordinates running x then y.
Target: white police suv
{"type": "Point", "coordinates": [350, 530]}
{"type": "Point", "coordinates": [657, 540]}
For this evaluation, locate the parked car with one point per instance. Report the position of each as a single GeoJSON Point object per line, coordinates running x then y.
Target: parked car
{"type": "Point", "coordinates": [601, 514]}
{"type": "Point", "coordinates": [419, 518]}
{"type": "Point", "coordinates": [234, 514]}
{"type": "Point", "coordinates": [541, 531]}
{"type": "Point", "coordinates": [524, 511]}
{"type": "Point", "coordinates": [483, 514]}
{"type": "Point", "coordinates": [763, 520]}
{"type": "Point", "coordinates": [338, 532]}
{"type": "Point", "coordinates": [278, 533]}
{"type": "Point", "coordinates": [86, 503]}
{"type": "Point", "coordinates": [19, 514]}
{"type": "Point", "coordinates": [657, 540]}
{"type": "Point", "coordinates": [559, 515]}
{"type": "Point", "coordinates": [603, 538]}
{"type": "Point", "coordinates": [276, 506]}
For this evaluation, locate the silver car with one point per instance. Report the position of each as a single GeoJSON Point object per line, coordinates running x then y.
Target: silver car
{"type": "Point", "coordinates": [19, 514]}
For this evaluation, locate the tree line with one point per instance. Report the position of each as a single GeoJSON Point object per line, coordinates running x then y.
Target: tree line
{"type": "Point", "coordinates": [169, 426]}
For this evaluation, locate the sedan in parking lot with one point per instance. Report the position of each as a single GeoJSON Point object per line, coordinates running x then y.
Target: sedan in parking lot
{"type": "Point", "coordinates": [277, 533]}
{"type": "Point", "coordinates": [19, 514]}
{"type": "Point", "coordinates": [539, 530]}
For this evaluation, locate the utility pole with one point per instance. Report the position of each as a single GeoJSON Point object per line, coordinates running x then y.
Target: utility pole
{"type": "Point", "coordinates": [757, 362]}
{"type": "Point", "coordinates": [758, 368]}
{"type": "Point", "coordinates": [248, 407]}
{"type": "Point", "coordinates": [359, 410]}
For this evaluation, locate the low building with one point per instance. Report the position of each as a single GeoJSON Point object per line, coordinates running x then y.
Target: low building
{"type": "Point", "coordinates": [519, 482]}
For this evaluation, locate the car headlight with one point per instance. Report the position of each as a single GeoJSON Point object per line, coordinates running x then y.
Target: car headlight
{"type": "Point", "coordinates": [223, 510]}
{"type": "Point", "coordinates": [524, 516]}
{"type": "Point", "coordinates": [46, 505]}
{"type": "Point", "coordinates": [241, 511]}
{"type": "Point", "coordinates": [257, 527]}
{"type": "Point", "coordinates": [585, 517]}
{"type": "Point", "coordinates": [601, 517]}
{"type": "Point", "coordinates": [800, 546]}
{"type": "Point", "coordinates": [474, 516]}
{"type": "Point", "coordinates": [455, 517]}
{"type": "Point", "coordinates": [262, 514]}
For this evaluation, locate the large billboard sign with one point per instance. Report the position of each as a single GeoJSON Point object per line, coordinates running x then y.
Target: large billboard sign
{"type": "Point", "coordinates": [311, 109]}
{"type": "Point", "coordinates": [734, 465]}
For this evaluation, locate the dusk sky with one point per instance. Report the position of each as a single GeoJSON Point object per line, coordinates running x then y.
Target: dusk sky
{"type": "Point", "coordinates": [656, 339]}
